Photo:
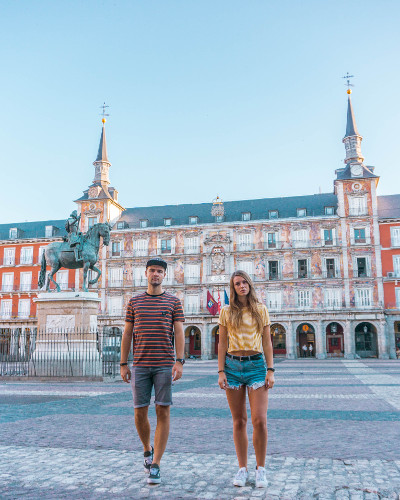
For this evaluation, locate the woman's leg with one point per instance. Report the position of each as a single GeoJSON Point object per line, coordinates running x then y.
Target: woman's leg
{"type": "Point", "coordinates": [258, 399]}
{"type": "Point", "coordinates": [237, 405]}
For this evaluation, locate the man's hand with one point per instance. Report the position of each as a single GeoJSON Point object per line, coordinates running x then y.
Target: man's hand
{"type": "Point", "coordinates": [177, 371]}
{"type": "Point", "coordinates": [125, 374]}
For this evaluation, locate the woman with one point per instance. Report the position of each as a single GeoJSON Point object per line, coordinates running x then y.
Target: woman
{"type": "Point", "coordinates": [244, 334]}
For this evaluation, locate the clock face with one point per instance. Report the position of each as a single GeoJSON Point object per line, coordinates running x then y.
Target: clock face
{"type": "Point", "coordinates": [356, 170]}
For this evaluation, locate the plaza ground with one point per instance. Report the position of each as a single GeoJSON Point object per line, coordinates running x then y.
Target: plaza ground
{"type": "Point", "coordinates": [334, 433]}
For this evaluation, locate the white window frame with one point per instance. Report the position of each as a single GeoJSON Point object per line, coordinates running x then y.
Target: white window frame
{"type": "Point", "coordinates": [276, 239]}
{"type": "Point", "coordinates": [141, 247]}
{"type": "Point", "coordinates": [244, 242]}
{"type": "Point", "coordinates": [301, 212]}
{"type": "Point", "coordinates": [363, 297]}
{"type": "Point", "coordinates": [48, 231]}
{"type": "Point", "coordinates": [279, 268]}
{"type": "Point", "coordinates": [192, 304]}
{"type": "Point", "coordinates": [24, 308]}
{"type": "Point", "coordinates": [119, 254]}
{"type": "Point", "coordinates": [396, 265]}
{"type": "Point", "coordinates": [193, 220]}
{"type": "Point", "coordinates": [62, 278]}
{"type": "Point", "coordinates": [247, 266]}
{"type": "Point", "coordinates": [25, 281]}
{"type": "Point", "coordinates": [115, 306]}
{"type": "Point", "coordinates": [143, 223]}
{"type": "Point", "coordinates": [13, 233]}
{"type": "Point", "coordinates": [325, 268]}
{"type": "Point", "coordinates": [9, 256]}
{"type": "Point", "coordinates": [367, 265]}
{"type": "Point", "coordinates": [274, 300]}
{"type": "Point", "coordinates": [167, 221]}
{"type": "Point", "coordinates": [115, 276]}
{"type": "Point", "coordinates": [332, 298]}
{"type": "Point", "coordinates": [26, 257]}
{"type": "Point", "coordinates": [246, 216]}
{"type": "Point", "coordinates": [304, 299]}
{"type": "Point", "coordinates": [300, 238]}
{"type": "Point", "coordinates": [192, 274]}
{"type": "Point", "coordinates": [41, 252]}
{"type": "Point", "coordinates": [324, 241]}
{"type": "Point", "coordinates": [395, 236]}
{"type": "Point", "coordinates": [7, 283]}
{"type": "Point", "coordinates": [6, 309]}
{"type": "Point", "coordinates": [329, 209]}
{"type": "Point", "coordinates": [273, 214]}
{"type": "Point", "coordinates": [358, 205]}
{"type": "Point", "coordinates": [91, 221]}
{"type": "Point", "coordinates": [139, 274]}
{"type": "Point", "coordinates": [192, 244]}
{"type": "Point", "coordinates": [308, 274]}
{"type": "Point", "coordinates": [397, 292]}
{"type": "Point", "coordinates": [367, 235]}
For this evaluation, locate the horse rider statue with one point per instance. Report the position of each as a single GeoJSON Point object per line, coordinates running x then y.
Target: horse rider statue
{"type": "Point", "coordinates": [75, 237]}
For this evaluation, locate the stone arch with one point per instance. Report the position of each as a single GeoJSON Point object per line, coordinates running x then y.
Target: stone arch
{"type": "Point", "coordinates": [278, 334]}
{"type": "Point", "coordinates": [366, 339]}
{"type": "Point", "coordinates": [305, 335]}
{"type": "Point", "coordinates": [214, 341]}
{"type": "Point", "coordinates": [334, 339]}
{"type": "Point", "coordinates": [192, 341]}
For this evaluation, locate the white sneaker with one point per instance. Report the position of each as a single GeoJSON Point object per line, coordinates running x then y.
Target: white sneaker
{"type": "Point", "coordinates": [241, 477]}
{"type": "Point", "coordinates": [261, 478]}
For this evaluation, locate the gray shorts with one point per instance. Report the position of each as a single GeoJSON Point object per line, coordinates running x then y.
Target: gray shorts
{"type": "Point", "coordinates": [142, 381]}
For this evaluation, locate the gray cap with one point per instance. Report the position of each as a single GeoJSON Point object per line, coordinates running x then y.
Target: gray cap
{"type": "Point", "coordinates": [156, 261]}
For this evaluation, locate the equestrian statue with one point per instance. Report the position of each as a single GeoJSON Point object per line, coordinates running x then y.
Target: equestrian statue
{"type": "Point", "coordinates": [77, 251]}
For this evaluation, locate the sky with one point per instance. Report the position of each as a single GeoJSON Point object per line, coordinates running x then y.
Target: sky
{"type": "Point", "coordinates": [237, 98]}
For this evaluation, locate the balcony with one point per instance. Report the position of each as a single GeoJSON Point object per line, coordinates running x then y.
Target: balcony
{"type": "Point", "coordinates": [361, 273]}
{"type": "Point", "coordinates": [26, 261]}
{"type": "Point", "coordinates": [331, 273]}
{"type": "Point", "coordinates": [5, 287]}
{"type": "Point", "coordinates": [273, 245]}
{"type": "Point", "coordinates": [245, 247]}
{"type": "Point", "coordinates": [7, 261]}
{"type": "Point", "coordinates": [192, 250]}
{"type": "Point", "coordinates": [141, 252]}
{"type": "Point", "coordinates": [361, 241]}
{"type": "Point", "coordinates": [301, 275]}
{"type": "Point", "coordinates": [192, 310]}
{"type": "Point", "coordinates": [192, 280]}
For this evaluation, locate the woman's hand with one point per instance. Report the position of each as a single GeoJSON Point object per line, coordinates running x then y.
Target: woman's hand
{"type": "Point", "coordinates": [222, 381]}
{"type": "Point", "coordinates": [269, 380]}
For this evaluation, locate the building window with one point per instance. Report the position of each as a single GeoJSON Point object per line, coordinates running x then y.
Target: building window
{"type": "Point", "coordinates": [13, 233]}
{"type": "Point", "coordinates": [329, 210]}
{"type": "Point", "coordinates": [300, 238]}
{"type": "Point", "coordinates": [219, 218]}
{"type": "Point", "coordinates": [397, 298]}
{"type": "Point", "coordinates": [395, 236]}
{"type": "Point", "coordinates": [303, 299]}
{"type": "Point", "coordinates": [330, 268]}
{"type": "Point", "coordinates": [92, 221]}
{"type": "Point", "coordinates": [328, 237]}
{"type": "Point", "coordinates": [302, 268]}
{"type": "Point", "coordinates": [48, 232]}
{"type": "Point", "coordinates": [192, 304]}
{"type": "Point", "coordinates": [167, 221]}
{"type": "Point", "coordinates": [271, 240]}
{"type": "Point", "coordinates": [273, 269]}
{"type": "Point", "coordinates": [359, 235]}
{"type": "Point", "coordinates": [332, 298]}
{"type": "Point", "coordinates": [26, 255]}
{"type": "Point", "coordinates": [115, 276]}
{"type": "Point", "coordinates": [192, 274]}
{"type": "Point", "coordinates": [26, 282]}
{"type": "Point", "coordinates": [166, 246]}
{"type": "Point", "coordinates": [273, 214]}
{"type": "Point", "coordinates": [141, 247]}
{"type": "Point", "coordinates": [41, 252]}
{"type": "Point", "coordinates": [116, 249]}
{"type": "Point", "coordinates": [143, 223]}
{"type": "Point", "coordinates": [193, 219]}
{"type": "Point", "coordinates": [246, 215]}
{"type": "Point", "coordinates": [192, 244]}
{"type": "Point", "coordinates": [274, 301]}
{"type": "Point", "coordinates": [6, 309]}
{"type": "Point", "coordinates": [358, 205]}
{"type": "Point", "coordinates": [396, 265]}
{"type": "Point", "coordinates": [301, 212]}
{"type": "Point", "coordinates": [246, 266]}
{"type": "Point", "coordinates": [361, 263]}
{"type": "Point", "coordinates": [363, 297]}
{"type": "Point", "coordinates": [9, 256]}
{"type": "Point", "coordinates": [115, 306]}
{"type": "Point", "coordinates": [62, 279]}
{"type": "Point", "coordinates": [7, 283]}
{"type": "Point", "coordinates": [122, 225]}
{"type": "Point", "coordinates": [140, 276]}
{"type": "Point", "coordinates": [244, 241]}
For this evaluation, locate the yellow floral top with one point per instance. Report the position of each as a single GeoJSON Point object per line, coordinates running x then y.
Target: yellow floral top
{"type": "Point", "coordinates": [248, 339]}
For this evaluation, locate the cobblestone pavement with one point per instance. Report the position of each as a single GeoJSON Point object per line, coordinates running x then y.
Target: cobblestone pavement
{"type": "Point", "coordinates": [334, 433]}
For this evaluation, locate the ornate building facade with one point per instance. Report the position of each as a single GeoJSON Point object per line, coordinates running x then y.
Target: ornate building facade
{"type": "Point", "coordinates": [316, 260]}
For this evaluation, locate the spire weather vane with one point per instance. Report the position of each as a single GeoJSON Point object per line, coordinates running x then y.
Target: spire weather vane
{"type": "Point", "coordinates": [103, 107]}
{"type": "Point", "coordinates": [347, 77]}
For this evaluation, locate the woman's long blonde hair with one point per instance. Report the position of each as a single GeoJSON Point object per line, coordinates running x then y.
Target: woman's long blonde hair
{"type": "Point", "coordinates": [235, 307]}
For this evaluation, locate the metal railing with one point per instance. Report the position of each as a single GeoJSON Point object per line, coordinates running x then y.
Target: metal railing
{"type": "Point", "coordinates": [59, 353]}
{"type": "Point", "coordinates": [192, 280]}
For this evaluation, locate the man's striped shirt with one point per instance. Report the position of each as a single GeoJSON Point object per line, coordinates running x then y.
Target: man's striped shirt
{"type": "Point", "coordinates": [153, 318]}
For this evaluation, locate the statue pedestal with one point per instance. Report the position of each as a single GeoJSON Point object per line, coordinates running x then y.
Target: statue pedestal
{"type": "Point", "coordinates": [67, 342]}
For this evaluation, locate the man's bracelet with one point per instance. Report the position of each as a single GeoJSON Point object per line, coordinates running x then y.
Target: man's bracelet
{"type": "Point", "coordinates": [221, 371]}
{"type": "Point", "coordinates": [123, 364]}
{"type": "Point", "coordinates": [270, 369]}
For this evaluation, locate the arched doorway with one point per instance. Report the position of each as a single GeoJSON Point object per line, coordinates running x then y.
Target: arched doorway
{"type": "Point", "coordinates": [366, 340]}
{"type": "Point", "coordinates": [192, 341]}
{"type": "Point", "coordinates": [215, 340]}
{"type": "Point", "coordinates": [334, 340]}
{"type": "Point", "coordinates": [278, 339]}
{"type": "Point", "coordinates": [397, 338]}
{"type": "Point", "coordinates": [305, 334]}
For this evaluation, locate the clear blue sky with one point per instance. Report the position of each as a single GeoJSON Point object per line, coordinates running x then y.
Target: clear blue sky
{"type": "Point", "coordinates": [238, 98]}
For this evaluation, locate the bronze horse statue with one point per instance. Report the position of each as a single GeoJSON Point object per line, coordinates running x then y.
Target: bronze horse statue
{"type": "Point", "coordinates": [60, 254]}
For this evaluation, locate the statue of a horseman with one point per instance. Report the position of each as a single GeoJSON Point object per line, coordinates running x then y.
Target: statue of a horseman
{"type": "Point", "coordinates": [76, 251]}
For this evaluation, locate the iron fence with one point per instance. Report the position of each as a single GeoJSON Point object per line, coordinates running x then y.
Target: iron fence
{"type": "Point", "coordinates": [29, 352]}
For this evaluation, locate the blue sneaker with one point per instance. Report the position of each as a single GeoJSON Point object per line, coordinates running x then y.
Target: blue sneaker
{"type": "Point", "coordinates": [148, 459]}
{"type": "Point", "coordinates": [154, 476]}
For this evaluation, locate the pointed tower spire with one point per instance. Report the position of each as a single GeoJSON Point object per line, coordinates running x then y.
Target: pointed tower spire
{"type": "Point", "coordinates": [352, 139]}
{"type": "Point", "coordinates": [101, 164]}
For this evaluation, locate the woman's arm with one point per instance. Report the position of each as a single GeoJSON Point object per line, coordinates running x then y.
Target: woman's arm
{"type": "Point", "coordinates": [269, 356]}
{"type": "Point", "coordinates": [222, 347]}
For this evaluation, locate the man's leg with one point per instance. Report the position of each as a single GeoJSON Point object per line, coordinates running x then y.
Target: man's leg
{"type": "Point", "coordinates": [143, 426]}
{"type": "Point", "coordinates": [162, 432]}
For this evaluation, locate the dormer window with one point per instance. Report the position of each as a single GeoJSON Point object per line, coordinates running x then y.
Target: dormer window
{"type": "Point", "coordinates": [246, 215]}
{"type": "Point", "coordinates": [122, 225]}
{"type": "Point", "coordinates": [301, 212]}
{"type": "Point", "coordinates": [50, 231]}
{"type": "Point", "coordinates": [219, 218]}
{"type": "Point", "coordinates": [13, 233]}
{"type": "Point", "coordinates": [167, 221]}
{"type": "Point", "coordinates": [143, 223]}
{"type": "Point", "coordinates": [329, 210]}
{"type": "Point", "coordinates": [193, 219]}
{"type": "Point", "coordinates": [273, 214]}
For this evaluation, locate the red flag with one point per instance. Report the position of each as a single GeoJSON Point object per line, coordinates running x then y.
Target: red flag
{"type": "Point", "coordinates": [219, 302]}
{"type": "Point", "coordinates": [212, 306]}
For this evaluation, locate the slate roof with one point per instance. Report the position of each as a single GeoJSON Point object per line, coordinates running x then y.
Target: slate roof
{"type": "Point", "coordinates": [102, 152]}
{"type": "Point", "coordinates": [287, 207]}
{"type": "Point", "coordinates": [34, 229]}
{"type": "Point", "coordinates": [389, 206]}
{"type": "Point", "coordinates": [351, 127]}
{"type": "Point", "coordinates": [345, 173]}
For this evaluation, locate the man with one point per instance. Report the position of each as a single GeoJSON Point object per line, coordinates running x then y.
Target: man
{"type": "Point", "coordinates": [304, 349]}
{"type": "Point", "coordinates": [151, 319]}
{"type": "Point", "coordinates": [74, 235]}
{"type": "Point", "coordinates": [310, 348]}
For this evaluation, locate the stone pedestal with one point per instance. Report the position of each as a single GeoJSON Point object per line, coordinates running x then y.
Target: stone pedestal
{"type": "Point", "coordinates": [67, 343]}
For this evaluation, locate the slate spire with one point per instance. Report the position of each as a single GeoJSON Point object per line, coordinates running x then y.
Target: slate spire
{"type": "Point", "coordinates": [102, 153]}
{"type": "Point", "coordinates": [101, 164]}
{"type": "Point", "coordinates": [352, 139]}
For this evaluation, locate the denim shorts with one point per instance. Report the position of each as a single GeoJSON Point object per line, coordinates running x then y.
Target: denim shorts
{"type": "Point", "coordinates": [250, 373]}
{"type": "Point", "coordinates": [144, 378]}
